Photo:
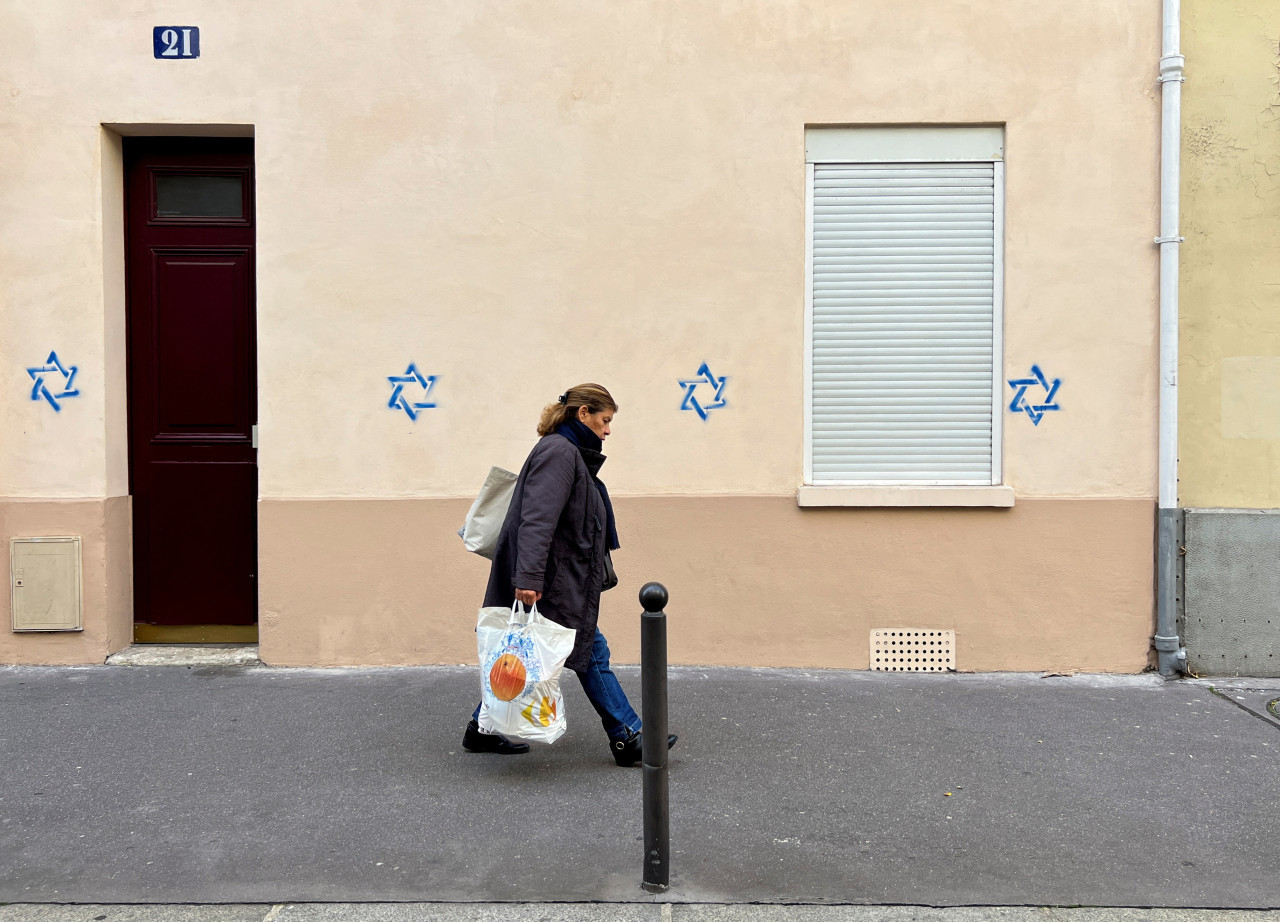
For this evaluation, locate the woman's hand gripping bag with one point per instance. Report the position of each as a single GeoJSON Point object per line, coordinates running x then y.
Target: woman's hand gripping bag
{"type": "Point", "coordinates": [521, 655]}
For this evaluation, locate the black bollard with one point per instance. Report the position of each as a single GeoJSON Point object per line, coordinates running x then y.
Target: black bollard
{"type": "Point", "coordinates": [653, 687]}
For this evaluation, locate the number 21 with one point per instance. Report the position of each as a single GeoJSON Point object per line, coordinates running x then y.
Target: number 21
{"type": "Point", "coordinates": [170, 39]}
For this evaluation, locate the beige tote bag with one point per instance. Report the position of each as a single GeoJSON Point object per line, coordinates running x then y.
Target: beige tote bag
{"type": "Point", "coordinates": [480, 531]}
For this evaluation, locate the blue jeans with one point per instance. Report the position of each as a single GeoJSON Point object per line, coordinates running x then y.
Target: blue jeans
{"type": "Point", "coordinates": [604, 693]}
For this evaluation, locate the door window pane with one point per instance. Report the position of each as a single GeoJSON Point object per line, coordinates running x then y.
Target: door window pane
{"type": "Point", "coordinates": [179, 196]}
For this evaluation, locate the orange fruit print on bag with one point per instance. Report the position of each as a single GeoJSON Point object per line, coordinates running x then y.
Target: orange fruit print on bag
{"type": "Point", "coordinates": [507, 677]}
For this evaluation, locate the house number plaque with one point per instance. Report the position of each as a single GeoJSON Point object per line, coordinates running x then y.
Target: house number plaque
{"type": "Point", "coordinates": [176, 41]}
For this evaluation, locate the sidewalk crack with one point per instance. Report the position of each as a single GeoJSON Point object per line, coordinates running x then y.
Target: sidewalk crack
{"type": "Point", "coordinates": [1265, 718]}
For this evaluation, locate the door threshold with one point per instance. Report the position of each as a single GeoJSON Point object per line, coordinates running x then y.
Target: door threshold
{"type": "Point", "coordinates": [195, 633]}
{"type": "Point", "coordinates": [233, 654]}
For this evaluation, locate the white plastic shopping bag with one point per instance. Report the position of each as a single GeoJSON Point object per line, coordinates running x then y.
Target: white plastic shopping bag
{"type": "Point", "coordinates": [484, 521]}
{"type": "Point", "coordinates": [521, 655]}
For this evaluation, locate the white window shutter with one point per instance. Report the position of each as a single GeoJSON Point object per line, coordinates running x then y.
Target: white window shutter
{"type": "Point", "coordinates": [905, 313]}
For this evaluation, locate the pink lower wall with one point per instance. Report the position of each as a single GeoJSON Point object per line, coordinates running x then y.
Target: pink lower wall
{"type": "Point", "coordinates": [1062, 584]}
{"type": "Point", "coordinates": [106, 574]}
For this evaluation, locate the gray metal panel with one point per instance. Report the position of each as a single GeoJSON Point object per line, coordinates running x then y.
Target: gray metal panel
{"type": "Point", "coordinates": [1232, 592]}
{"type": "Point", "coordinates": [46, 584]}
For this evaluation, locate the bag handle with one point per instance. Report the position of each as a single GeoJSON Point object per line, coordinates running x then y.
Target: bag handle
{"type": "Point", "coordinates": [520, 616]}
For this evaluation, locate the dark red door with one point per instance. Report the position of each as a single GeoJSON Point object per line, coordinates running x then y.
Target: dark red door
{"type": "Point", "coordinates": [192, 380]}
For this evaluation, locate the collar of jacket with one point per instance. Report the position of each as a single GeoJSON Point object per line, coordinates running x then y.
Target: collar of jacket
{"type": "Point", "coordinates": [589, 444]}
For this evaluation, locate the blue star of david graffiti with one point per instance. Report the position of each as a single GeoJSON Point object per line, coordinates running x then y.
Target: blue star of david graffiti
{"type": "Point", "coordinates": [690, 386]}
{"type": "Point", "coordinates": [398, 399]}
{"type": "Point", "coordinates": [41, 389]}
{"type": "Point", "coordinates": [1036, 411]}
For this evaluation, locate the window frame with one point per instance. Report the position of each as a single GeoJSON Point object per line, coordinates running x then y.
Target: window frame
{"type": "Point", "coordinates": [910, 145]}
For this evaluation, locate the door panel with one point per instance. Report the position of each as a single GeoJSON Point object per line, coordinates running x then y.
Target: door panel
{"type": "Point", "coordinates": [201, 302]}
{"type": "Point", "coordinates": [193, 568]}
{"type": "Point", "coordinates": [192, 380]}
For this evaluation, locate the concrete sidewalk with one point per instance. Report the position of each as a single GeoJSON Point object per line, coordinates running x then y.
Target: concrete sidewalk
{"type": "Point", "coordinates": [605, 912]}
{"type": "Point", "coordinates": [253, 785]}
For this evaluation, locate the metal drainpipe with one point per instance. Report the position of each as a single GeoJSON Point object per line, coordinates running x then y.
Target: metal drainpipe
{"type": "Point", "coordinates": [1172, 655]}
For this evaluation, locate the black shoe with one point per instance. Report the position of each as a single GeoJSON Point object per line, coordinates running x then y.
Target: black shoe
{"type": "Point", "coordinates": [475, 741]}
{"type": "Point", "coordinates": [629, 751]}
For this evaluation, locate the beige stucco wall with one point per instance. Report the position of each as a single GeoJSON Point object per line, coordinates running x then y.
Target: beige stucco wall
{"type": "Point", "coordinates": [602, 193]}
{"type": "Point", "coordinates": [519, 196]}
{"type": "Point", "coordinates": [1229, 369]}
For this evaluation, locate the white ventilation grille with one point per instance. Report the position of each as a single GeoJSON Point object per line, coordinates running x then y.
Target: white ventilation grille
{"type": "Point", "coordinates": [911, 650]}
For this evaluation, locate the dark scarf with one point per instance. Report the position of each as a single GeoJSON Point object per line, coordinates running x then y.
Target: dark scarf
{"type": "Point", "coordinates": [589, 445]}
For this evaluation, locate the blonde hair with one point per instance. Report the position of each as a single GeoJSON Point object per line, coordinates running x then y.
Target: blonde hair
{"type": "Point", "coordinates": [592, 396]}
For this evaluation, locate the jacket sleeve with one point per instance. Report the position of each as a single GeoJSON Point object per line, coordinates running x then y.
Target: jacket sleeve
{"type": "Point", "coordinates": [547, 488]}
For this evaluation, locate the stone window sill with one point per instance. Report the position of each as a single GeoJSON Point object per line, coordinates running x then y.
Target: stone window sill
{"type": "Point", "coordinates": [813, 496]}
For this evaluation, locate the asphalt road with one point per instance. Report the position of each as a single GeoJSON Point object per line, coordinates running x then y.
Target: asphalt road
{"type": "Point", "coordinates": [264, 786]}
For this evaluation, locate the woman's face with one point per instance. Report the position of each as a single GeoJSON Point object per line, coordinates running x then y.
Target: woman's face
{"type": "Point", "coordinates": [596, 422]}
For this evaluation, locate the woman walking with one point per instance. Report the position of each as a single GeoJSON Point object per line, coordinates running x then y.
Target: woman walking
{"type": "Point", "coordinates": [554, 550]}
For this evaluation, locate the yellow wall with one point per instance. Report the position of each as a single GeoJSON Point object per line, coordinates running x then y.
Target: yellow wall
{"type": "Point", "coordinates": [1229, 370]}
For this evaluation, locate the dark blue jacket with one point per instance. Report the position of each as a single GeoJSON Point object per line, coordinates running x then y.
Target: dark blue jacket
{"type": "Point", "coordinates": [553, 541]}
